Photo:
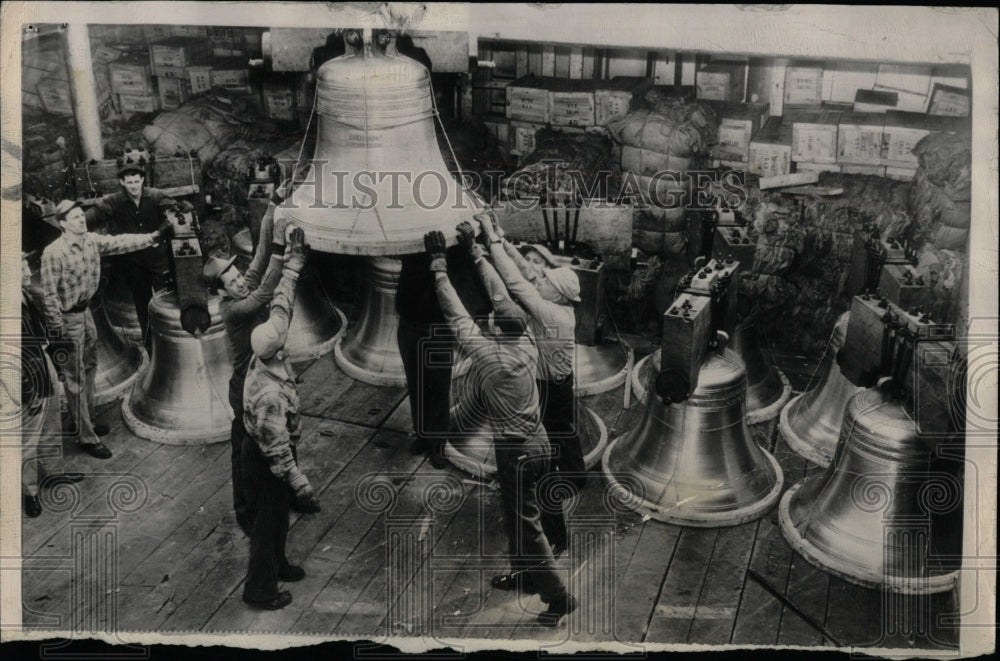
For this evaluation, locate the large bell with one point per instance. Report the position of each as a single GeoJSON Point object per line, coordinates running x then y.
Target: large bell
{"type": "Point", "coordinates": [767, 387]}
{"type": "Point", "coordinates": [116, 299]}
{"type": "Point", "coordinates": [368, 351]}
{"type": "Point", "coordinates": [119, 361]}
{"type": "Point", "coordinates": [470, 445]}
{"type": "Point", "coordinates": [316, 322]}
{"type": "Point", "coordinates": [600, 367]}
{"type": "Point", "coordinates": [695, 463]}
{"type": "Point", "coordinates": [377, 182]}
{"type": "Point", "coordinates": [182, 399]}
{"type": "Point", "coordinates": [867, 517]}
{"type": "Point", "coordinates": [810, 422]}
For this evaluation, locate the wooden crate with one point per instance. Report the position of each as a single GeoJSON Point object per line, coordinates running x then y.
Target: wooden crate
{"type": "Point", "coordinates": [178, 52]}
{"type": "Point", "coordinates": [175, 172]}
{"type": "Point", "coordinates": [131, 76]}
{"type": "Point", "coordinates": [859, 138]}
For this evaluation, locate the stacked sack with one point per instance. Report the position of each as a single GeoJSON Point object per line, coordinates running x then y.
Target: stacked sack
{"type": "Point", "coordinates": [673, 136]}
{"type": "Point", "coordinates": [562, 161]}
{"type": "Point", "coordinates": [804, 252]}
{"type": "Point", "coordinates": [940, 194]}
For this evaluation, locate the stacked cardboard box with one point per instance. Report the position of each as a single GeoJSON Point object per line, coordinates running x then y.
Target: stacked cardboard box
{"type": "Point", "coordinates": [231, 74]}
{"type": "Point", "coordinates": [771, 149]}
{"type": "Point", "coordinates": [528, 99]}
{"type": "Point", "coordinates": [615, 98]}
{"type": "Point", "coordinates": [738, 123]}
{"type": "Point", "coordinates": [173, 92]}
{"type": "Point", "coordinates": [814, 135]}
{"type": "Point", "coordinates": [571, 102]}
{"type": "Point", "coordinates": [803, 85]}
{"type": "Point", "coordinates": [722, 80]}
{"type": "Point", "coordinates": [279, 101]}
{"type": "Point", "coordinates": [169, 57]}
{"type": "Point", "coordinates": [859, 139]}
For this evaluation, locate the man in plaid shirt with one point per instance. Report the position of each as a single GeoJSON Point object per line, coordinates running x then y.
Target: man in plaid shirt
{"type": "Point", "coordinates": [270, 473]}
{"type": "Point", "coordinates": [71, 272]}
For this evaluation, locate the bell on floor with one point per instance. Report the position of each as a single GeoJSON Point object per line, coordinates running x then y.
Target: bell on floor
{"type": "Point", "coordinates": [867, 517]}
{"type": "Point", "coordinates": [767, 387]}
{"type": "Point", "coordinates": [695, 463]}
{"type": "Point", "coordinates": [117, 302]}
{"type": "Point", "coordinates": [119, 361]}
{"type": "Point", "coordinates": [182, 399]}
{"type": "Point", "coordinates": [810, 422]}
{"type": "Point", "coordinates": [369, 351]}
{"type": "Point", "coordinates": [316, 323]}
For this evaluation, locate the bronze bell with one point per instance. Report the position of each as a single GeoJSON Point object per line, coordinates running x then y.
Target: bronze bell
{"type": "Point", "coordinates": [767, 387]}
{"type": "Point", "coordinates": [377, 182]}
{"type": "Point", "coordinates": [368, 350]}
{"type": "Point", "coordinates": [119, 361]}
{"type": "Point", "coordinates": [600, 367]}
{"type": "Point", "coordinates": [182, 399]}
{"type": "Point", "coordinates": [470, 445]}
{"type": "Point", "coordinates": [316, 323]}
{"type": "Point", "coordinates": [810, 422]}
{"type": "Point", "coordinates": [695, 463]}
{"type": "Point", "coordinates": [867, 517]}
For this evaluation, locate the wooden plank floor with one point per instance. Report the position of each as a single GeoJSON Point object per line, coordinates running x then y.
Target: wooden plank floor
{"type": "Point", "coordinates": [402, 549]}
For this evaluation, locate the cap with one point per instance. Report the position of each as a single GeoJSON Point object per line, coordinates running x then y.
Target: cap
{"type": "Point", "coordinates": [266, 339]}
{"type": "Point", "coordinates": [565, 282]}
{"type": "Point", "coordinates": [131, 168]}
{"type": "Point", "coordinates": [214, 268]}
{"type": "Point", "coordinates": [61, 210]}
{"type": "Point", "coordinates": [541, 250]}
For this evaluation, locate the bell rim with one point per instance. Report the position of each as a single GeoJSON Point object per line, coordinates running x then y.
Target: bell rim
{"type": "Point", "coordinates": [769, 411]}
{"type": "Point", "coordinates": [731, 518]}
{"type": "Point", "coordinates": [165, 436]}
{"type": "Point", "coordinates": [839, 568]}
{"type": "Point", "coordinates": [119, 390]}
{"type": "Point", "coordinates": [609, 382]}
{"type": "Point", "coordinates": [799, 445]}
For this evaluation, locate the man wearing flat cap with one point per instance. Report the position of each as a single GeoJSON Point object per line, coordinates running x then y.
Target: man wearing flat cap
{"type": "Point", "coordinates": [270, 473]}
{"type": "Point", "coordinates": [135, 210]}
{"type": "Point", "coordinates": [70, 272]}
{"type": "Point", "coordinates": [244, 305]}
{"type": "Point", "coordinates": [549, 302]}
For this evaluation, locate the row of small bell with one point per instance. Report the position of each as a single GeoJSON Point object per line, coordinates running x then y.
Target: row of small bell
{"type": "Point", "coordinates": [183, 398]}
{"type": "Point", "coordinates": [695, 463]}
{"type": "Point", "coordinates": [316, 323]}
{"type": "Point", "coordinates": [768, 389]}
{"type": "Point", "coordinates": [874, 515]}
{"type": "Point", "coordinates": [810, 422]}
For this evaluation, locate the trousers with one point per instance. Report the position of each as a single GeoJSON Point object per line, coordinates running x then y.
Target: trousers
{"type": "Point", "coordinates": [519, 467]}
{"type": "Point", "coordinates": [427, 361]}
{"type": "Point", "coordinates": [268, 502]}
{"type": "Point", "coordinates": [236, 433]}
{"type": "Point", "coordinates": [41, 438]}
{"type": "Point", "coordinates": [558, 407]}
{"type": "Point", "coordinates": [142, 283]}
{"type": "Point", "coordinates": [79, 371]}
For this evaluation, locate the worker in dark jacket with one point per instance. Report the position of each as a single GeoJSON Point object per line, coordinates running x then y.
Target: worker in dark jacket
{"type": "Point", "coordinates": [135, 210]}
{"type": "Point", "coordinates": [39, 404]}
{"type": "Point", "coordinates": [245, 300]}
{"type": "Point", "coordinates": [270, 472]}
{"type": "Point", "coordinates": [421, 320]}
{"type": "Point", "coordinates": [503, 369]}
